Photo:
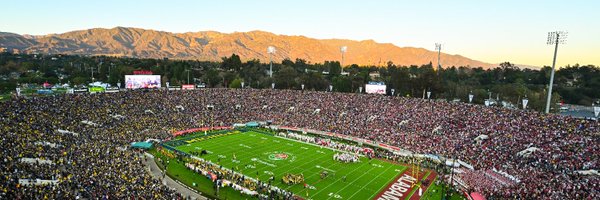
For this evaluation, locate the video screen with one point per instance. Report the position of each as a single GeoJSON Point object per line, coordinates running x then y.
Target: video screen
{"type": "Point", "coordinates": [375, 88]}
{"type": "Point", "coordinates": [142, 81]}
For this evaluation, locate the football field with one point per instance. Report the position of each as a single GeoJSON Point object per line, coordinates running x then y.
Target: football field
{"type": "Point", "coordinates": [261, 156]}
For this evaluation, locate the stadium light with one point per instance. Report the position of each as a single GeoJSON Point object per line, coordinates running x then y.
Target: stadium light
{"type": "Point", "coordinates": [343, 50]}
{"type": "Point", "coordinates": [556, 37]}
{"type": "Point", "coordinates": [271, 51]}
{"type": "Point", "coordinates": [438, 47]}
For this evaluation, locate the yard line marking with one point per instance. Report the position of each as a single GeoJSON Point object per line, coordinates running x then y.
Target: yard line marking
{"type": "Point", "coordinates": [354, 181]}
{"type": "Point", "coordinates": [371, 181]}
{"type": "Point", "coordinates": [341, 179]}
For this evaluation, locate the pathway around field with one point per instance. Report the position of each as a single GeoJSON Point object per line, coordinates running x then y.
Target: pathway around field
{"type": "Point", "coordinates": [168, 181]}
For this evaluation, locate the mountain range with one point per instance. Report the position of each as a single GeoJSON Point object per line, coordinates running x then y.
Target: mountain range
{"type": "Point", "coordinates": [211, 45]}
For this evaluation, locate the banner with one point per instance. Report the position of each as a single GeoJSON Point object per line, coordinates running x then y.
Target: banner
{"type": "Point", "coordinates": [187, 87]}
{"type": "Point", "coordinates": [96, 89]}
{"type": "Point", "coordinates": [142, 72]}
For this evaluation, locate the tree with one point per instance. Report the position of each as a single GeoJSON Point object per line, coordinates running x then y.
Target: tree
{"type": "Point", "coordinates": [286, 78]}
{"type": "Point", "coordinates": [342, 84]}
{"type": "Point", "coordinates": [233, 63]}
{"type": "Point", "coordinates": [212, 77]}
{"type": "Point", "coordinates": [314, 81]}
{"type": "Point", "coordinates": [334, 67]}
{"type": "Point", "coordinates": [236, 83]}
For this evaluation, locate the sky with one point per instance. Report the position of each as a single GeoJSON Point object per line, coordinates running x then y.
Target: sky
{"type": "Point", "coordinates": [490, 31]}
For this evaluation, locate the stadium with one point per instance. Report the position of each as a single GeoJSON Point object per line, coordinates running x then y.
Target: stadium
{"type": "Point", "coordinates": [299, 100]}
{"type": "Point", "coordinates": [289, 144]}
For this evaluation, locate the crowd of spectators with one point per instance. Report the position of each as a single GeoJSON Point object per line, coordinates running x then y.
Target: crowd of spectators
{"type": "Point", "coordinates": [228, 178]}
{"type": "Point", "coordinates": [90, 162]}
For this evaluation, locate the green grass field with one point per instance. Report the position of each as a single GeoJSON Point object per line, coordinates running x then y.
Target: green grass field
{"type": "Point", "coordinates": [363, 180]}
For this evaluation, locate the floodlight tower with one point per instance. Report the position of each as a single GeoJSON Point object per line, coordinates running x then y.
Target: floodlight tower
{"type": "Point", "coordinates": [438, 47]}
{"type": "Point", "coordinates": [343, 50]}
{"type": "Point", "coordinates": [556, 37]}
{"type": "Point", "coordinates": [188, 76]}
{"type": "Point", "coordinates": [271, 51]}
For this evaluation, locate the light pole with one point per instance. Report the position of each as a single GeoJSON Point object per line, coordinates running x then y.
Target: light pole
{"type": "Point", "coordinates": [271, 51]}
{"type": "Point", "coordinates": [343, 50]}
{"type": "Point", "coordinates": [188, 76]}
{"type": "Point", "coordinates": [555, 38]}
{"type": "Point", "coordinates": [596, 107]}
{"type": "Point", "coordinates": [109, 68]}
{"type": "Point", "coordinates": [438, 47]}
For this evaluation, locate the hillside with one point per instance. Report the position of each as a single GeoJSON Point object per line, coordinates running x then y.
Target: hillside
{"type": "Point", "coordinates": [210, 45]}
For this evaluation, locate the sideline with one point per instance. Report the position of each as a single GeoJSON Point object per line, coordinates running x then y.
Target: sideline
{"type": "Point", "coordinates": [168, 181]}
{"type": "Point", "coordinates": [316, 145]}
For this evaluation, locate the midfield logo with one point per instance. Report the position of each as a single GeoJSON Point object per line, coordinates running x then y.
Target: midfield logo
{"type": "Point", "coordinates": [277, 155]}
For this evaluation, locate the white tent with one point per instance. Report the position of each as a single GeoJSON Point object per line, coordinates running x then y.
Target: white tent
{"type": "Point", "coordinates": [481, 137]}
{"type": "Point", "coordinates": [528, 151]}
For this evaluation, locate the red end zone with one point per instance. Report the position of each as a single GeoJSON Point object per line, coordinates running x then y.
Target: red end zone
{"type": "Point", "coordinates": [402, 186]}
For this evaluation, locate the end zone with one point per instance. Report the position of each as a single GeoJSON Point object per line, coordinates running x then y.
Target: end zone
{"type": "Point", "coordinates": [402, 186]}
